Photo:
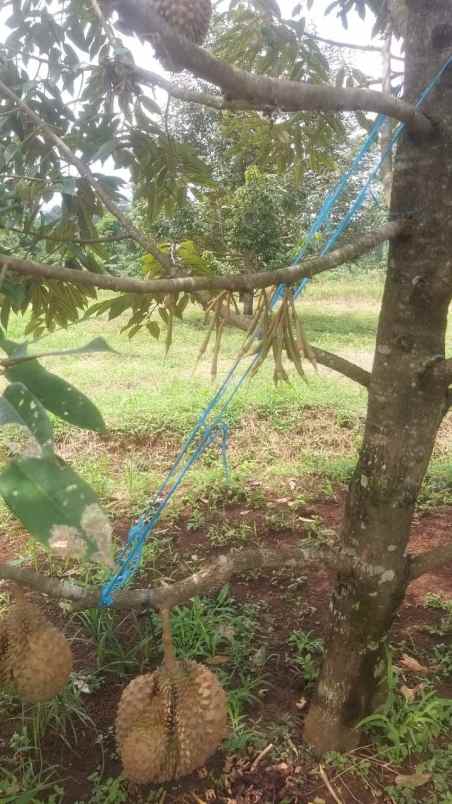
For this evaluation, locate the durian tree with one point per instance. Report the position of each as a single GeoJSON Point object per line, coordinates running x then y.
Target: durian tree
{"type": "Point", "coordinates": [266, 67]}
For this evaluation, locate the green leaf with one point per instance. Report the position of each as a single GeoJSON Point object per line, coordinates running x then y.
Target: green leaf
{"type": "Point", "coordinates": [153, 329]}
{"type": "Point", "coordinates": [57, 395]}
{"type": "Point", "coordinates": [19, 406]}
{"type": "Point", "coordinates": [96, 345]}
{"type": "Point", "coordinates": [105, 150]}
{"type": "Point", "coordinates": [46, 494]}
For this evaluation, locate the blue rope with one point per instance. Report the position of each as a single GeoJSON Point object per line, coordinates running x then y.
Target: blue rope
{"type": "Point", "coordinates": [130, 557]}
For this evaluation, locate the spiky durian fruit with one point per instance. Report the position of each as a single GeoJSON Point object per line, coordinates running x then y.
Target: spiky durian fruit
{"type": "Point", "coordinates": [190, 18]}
{"type": "Point", "coordinates": [35, 659]}
{"type": "Point", "coordinates": [171, 721]}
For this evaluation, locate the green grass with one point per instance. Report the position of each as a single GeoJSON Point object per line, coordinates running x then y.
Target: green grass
{"type": "Point", "coordinates": [300, 430]}
{"type": "Point", "coordinates": [140, 389]}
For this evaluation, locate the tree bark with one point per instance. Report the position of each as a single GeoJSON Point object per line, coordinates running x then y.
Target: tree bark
{"type": "Point", "coordinates": [386, 133]}
{"type": "Point", "coordinates": [405, 407]}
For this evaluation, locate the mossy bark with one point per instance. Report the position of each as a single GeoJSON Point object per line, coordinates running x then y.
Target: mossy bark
{"type": "Point", "coordinates": [406, 404]}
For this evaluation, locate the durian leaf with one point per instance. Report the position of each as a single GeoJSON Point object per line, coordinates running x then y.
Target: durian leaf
{"type": "Point", "coordinates": [19, 406]}
{"type": "Point", "coordinates": [57, 395]}
{"type": "Point", "coordinates": [45, 493]}
{"type": "Point", "coordinates": [96, 345]}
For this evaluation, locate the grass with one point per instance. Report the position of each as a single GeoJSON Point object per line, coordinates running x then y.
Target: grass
{"type": "Point", "coordinates": [150, 403]}
{"type": "Point", "coordinates": [141, 390]}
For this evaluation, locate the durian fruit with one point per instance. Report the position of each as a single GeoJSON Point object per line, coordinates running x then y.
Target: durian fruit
{"type": "Point", "coordinates": [171, 721]}
{"type": "Point", "coordinates": [189, 18]}
{"type": "Point", "coordinates": [35, 657]}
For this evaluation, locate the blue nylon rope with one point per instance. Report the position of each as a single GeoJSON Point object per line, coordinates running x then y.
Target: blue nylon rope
{"type": "Point", "coordinates": [130, 557]}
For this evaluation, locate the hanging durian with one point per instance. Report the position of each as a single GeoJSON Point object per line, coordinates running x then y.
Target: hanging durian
{"type": "Point", "coordinates": [171, 721]}
{"type": "Point", "coordinates": [35, 657]}
{"type": "Point", "coordinates": [189, 18]}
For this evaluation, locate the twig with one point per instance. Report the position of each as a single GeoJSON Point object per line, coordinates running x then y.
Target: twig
{"type": "Point", "coordinates": [328, 785]}
{"type": "Point", "coordinates": [261, 755]}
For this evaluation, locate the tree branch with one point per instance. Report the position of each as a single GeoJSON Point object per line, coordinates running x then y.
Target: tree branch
{"type": "Point", "coordinates": [147, 243]}
{"type": "Point", "coordinates": [429, 561]}
{"type": "Point", "coordinates": [181, 93]}
{"type": "Point", "coordinates": [342, 366]}
{"type": "Point", "coordinates": [212, 576]}
{"type": "Point", "coordinates": [350, 46]}
{"type": "Point", "coordinates": [264, 92]}
{"type": "Point", "coordinates": [262, 279]}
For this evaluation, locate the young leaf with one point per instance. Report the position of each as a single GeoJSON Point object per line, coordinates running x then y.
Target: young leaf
{"type": "Point", "coordinates": [56, 506]}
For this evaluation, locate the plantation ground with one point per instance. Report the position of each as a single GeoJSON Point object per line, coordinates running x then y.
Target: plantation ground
{"type": "Point", "coordinates": [291, 452]}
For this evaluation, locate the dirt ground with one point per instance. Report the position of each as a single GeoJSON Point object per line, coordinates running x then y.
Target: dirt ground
{"type": "Point", "coordinates": [253, 776]}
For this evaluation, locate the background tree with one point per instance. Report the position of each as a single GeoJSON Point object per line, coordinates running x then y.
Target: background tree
{"type": "Point", "coordinates": [57, 145]}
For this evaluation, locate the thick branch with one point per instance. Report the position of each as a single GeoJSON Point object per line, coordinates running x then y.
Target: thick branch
{"type": "Point", "coordinates": [213, 576]}
{"type": "Point", "coordinates": [262, 279]}
{"type": "Point", "coordinates": [146, 242]}
{"type": "Point", "coordinates": [429, 561]}
{"type": "Point", "coordinates": [342, 366]}
{"type": "Point", "coordinates": [217, 102]}
{"type": "Point", "coordinates": [265, 92]}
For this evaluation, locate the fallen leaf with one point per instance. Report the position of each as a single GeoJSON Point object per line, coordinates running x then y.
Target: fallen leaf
{"type": "Point", "coordinates": [413, 780]}
{"type": "Point", "coordinates": [409, 693]}
{"type": "Point", "coordinates": [412, 665]}
{"type": "Point", "coordinates": [218, 659]}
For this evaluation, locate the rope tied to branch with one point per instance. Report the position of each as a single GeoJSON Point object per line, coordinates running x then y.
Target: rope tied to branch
{"type": "Point", "coordinates": [205, 432]}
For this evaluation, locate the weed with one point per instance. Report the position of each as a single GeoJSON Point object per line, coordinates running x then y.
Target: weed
{"type": "Point", "coordinates": [107, 791]}
{"type": "Point", "coordinates": [25, 784]}
{"type": "Point", "coordinates": [403, 727]}
{"type": "Point", "coordinates": [243, 734]}
{"type": "Point", "coordinates": [435, 601]}
{"type": "Point", "coordinates": [64, 716]}
{"type": "Point", "coordinates": [437, 486]}
{"type": "Point", "coordinates": [213, 626]}
{"type": "Point", "coordinates": [442, 658]}
{"type": "Point", "coordinates": [115, 653]}
{"type": "Point", "coordinates": [196, 519]}
{"type": "Point", "coordinates": [308, 652]}
{"type": "Point", "coordinates": [220, 534]}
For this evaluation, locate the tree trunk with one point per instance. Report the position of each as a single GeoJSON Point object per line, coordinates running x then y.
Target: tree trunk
{"type": "Point", "coordinates": [405, 405]}
{"type": "Point", "coordinates": [386, 133]}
